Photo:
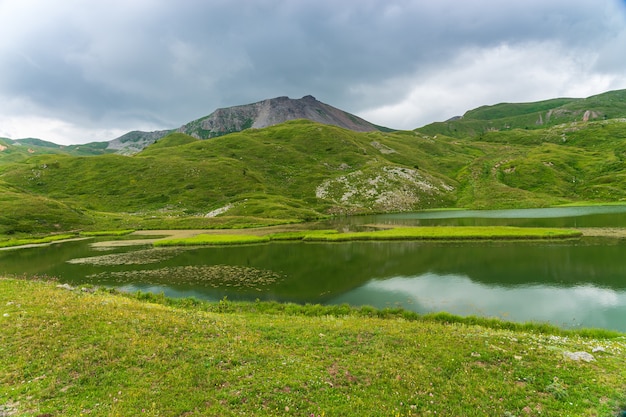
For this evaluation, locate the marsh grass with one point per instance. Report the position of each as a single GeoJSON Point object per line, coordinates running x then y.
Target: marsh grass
{"type": "Point", "coordinates": [73, 352]}
{"type": "Point", "coordinates": [207, 239]}
{"type": "Point", "coordinates": [452, 233]}
{"type": "Point", "coordinates": [35, 240]}
{"type": "Point", "coordinates": [396, 233]}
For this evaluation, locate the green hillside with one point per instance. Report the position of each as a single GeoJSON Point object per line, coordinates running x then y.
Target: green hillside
{"type": "Point", "coordinates": [301, 170]}
{"type": "Point", "coordinates": [21, 149]}
{"type": "Point", "coordinates": [532, 116]}
{"type": "Point", "coordinates": [296, 171]}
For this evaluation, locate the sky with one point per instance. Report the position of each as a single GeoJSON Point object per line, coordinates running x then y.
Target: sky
{"type": "Point", "coordinates": [78, 71]}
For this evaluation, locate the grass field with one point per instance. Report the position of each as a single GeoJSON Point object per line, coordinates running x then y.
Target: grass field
{"type": "Point", "coordinates": [67, 352]}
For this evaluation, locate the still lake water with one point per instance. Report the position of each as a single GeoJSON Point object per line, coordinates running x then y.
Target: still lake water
{"type": "Point", "coordinates": [576, 283]}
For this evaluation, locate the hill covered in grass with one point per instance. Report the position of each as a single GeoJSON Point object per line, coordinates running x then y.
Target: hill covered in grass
{"type": "Point", "coordinates": [21, 149]}
{"type": "Point", "coordinates": [532, 116]}
{"type": "Point", "coordinates": [302, 170]}
{"type": "Point", "coordinates": [297, 170]}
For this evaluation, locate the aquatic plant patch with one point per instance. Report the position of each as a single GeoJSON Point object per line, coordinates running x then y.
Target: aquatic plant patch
{"type": "Point", "coordinates": [213, 276]}
{"type": "Point", "coordinates": [139, 257]}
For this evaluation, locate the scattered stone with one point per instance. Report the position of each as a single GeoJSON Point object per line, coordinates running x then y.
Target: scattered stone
{"type": "Point", "coordinates": [66, 287]}
{"type": "Point", "coordinates": [579, 356]}
{"type": "Point", "coordinates": [8, 409]}
{"type": "Point", "coordinates": [219, 211]}
{"type": "Point", "coordinates": [598, 349]}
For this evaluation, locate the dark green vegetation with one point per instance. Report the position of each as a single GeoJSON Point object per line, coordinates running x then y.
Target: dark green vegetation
{"type": "Point", "coordinates": [301, 170]}
{"type": "Point", "coordinates": [73, 352]}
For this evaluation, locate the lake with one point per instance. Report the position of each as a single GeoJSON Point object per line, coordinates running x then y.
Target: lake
{"type": "Point", "coordinates": [574, 283]}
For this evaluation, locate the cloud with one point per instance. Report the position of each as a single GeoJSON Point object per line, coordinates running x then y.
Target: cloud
{"type": "Point", "coordinates": [154, 64]}
{"type": "Point", "coordinates": [478, 76]}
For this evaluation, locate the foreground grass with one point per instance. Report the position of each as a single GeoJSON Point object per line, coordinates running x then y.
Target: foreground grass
{"type": "Point", "coordinates": [74, 352]}
{"type": "Point", "coordinates": [396, 233]}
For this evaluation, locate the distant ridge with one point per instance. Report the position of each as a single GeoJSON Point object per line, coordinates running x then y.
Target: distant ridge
{"type": "Point", "coordinates": [530, 116]}
{"type": "Point", "coordinates": [258, 115]}
{"type": "Point", "coordinates": [135, 141]}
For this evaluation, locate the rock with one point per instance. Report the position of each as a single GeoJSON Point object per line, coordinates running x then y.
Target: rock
{"type": "Point", "coordinates": [579, 356]}
{"type": "Point", "coordinates": [66, 287]}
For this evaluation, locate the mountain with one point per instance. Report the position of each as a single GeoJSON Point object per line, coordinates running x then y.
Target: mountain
{"type": "Point", "coordinates": [272, 112]}
{"type": "Point", "coordinates": [256, 115]}
{"type": "Point", "coordinates": [531, 116]}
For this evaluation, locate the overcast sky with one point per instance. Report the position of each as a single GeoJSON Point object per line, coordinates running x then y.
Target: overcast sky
{"type": "Point", "coordinates": [75, 71]}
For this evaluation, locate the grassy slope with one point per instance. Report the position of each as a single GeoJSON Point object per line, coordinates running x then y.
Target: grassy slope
{"type": "Point", "coordinates": [271, 173]}
{"type": "Point", "coordinates": [277, 173]}
{"type": "Point", "coordinates": [24, 213]}
{"type": "Point", "coordinates": [580, 161]}
{"type": "Point", "coordinates": [530, 116]}
{"type": "Point", "coordinates": [72, 353]}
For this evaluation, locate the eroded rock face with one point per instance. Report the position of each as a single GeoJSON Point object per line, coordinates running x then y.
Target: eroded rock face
{"type": "Point", "coordinates": [271, 112]}
{"type": "Point", "coordinates": [386, 188]}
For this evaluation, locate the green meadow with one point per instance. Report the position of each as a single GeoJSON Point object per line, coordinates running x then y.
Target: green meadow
{"type": "Point", "coordinates": [91, 352]}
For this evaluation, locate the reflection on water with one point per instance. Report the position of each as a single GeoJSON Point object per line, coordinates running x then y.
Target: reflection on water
{"type": "Point", "coordinates": [567, 283]}
{"type": "Point", "coordinates": [575, 306]}
{"type": "Point", "coordinates": [592, 216]}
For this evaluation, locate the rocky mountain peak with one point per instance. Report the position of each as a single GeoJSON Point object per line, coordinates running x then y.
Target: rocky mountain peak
{"type": "Point", "coordinates": [256, 115]}
{"type": "Point", "coordinates": [271, 112]}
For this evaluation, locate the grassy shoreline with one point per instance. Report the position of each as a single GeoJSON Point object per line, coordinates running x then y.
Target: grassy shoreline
{"type": "Point", "coordinates": [72, 352]}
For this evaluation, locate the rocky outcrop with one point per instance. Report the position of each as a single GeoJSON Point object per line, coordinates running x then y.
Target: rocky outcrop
{"type": "Point", "coordinates": [271, 112]}
{"type": "Point", "coordinates": [135, 141]}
